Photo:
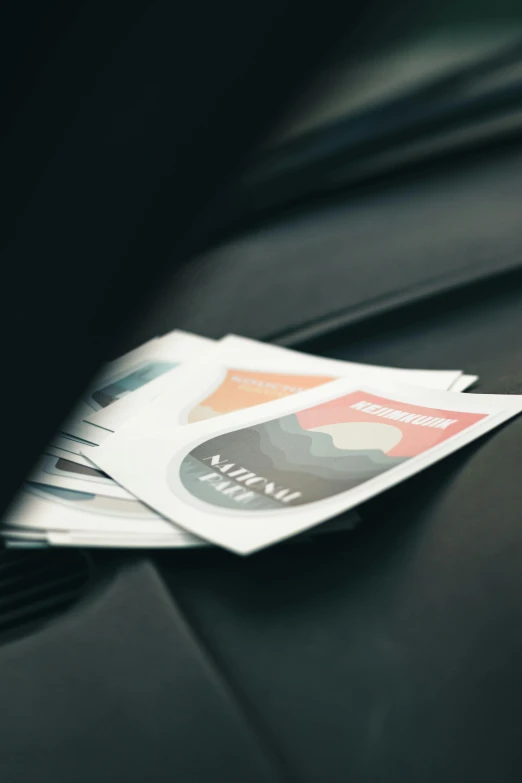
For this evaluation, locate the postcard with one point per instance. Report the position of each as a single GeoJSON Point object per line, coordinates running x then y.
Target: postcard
{"type": "Point", "coordinates": [47, 508]}
{"type": "Point", "coordinates": [264, 473]}
{"type": "Point", "coordinates": [132, 372]}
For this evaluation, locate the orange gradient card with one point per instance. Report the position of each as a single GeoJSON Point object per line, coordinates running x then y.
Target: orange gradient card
{"type": "Point", "coordinates": [245, 388]}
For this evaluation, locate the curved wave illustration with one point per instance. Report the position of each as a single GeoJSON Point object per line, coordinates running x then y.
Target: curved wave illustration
{"type": "Point", "coordinates": [307, 462]}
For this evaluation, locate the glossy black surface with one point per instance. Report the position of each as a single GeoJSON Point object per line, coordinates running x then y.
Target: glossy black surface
{"type": "Point", "coordinates": [391, 653]}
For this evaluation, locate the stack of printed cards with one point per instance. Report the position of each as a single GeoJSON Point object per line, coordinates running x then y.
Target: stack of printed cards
{"type": "Point", "coordinates": [186, 442]}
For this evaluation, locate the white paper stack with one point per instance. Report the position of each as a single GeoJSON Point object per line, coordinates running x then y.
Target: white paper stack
{"type": "Point", "coordinates": [186, 442]}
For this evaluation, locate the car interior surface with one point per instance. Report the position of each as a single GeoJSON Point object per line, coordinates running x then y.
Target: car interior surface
{"type": "Point", "coordinates": [344, 180]}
